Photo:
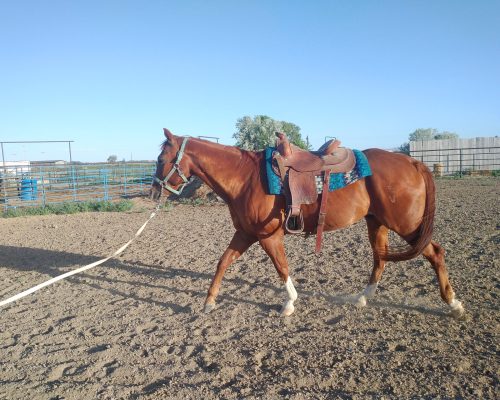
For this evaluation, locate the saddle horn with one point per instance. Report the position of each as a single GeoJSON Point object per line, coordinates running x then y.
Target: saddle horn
{"type": "Point", "coordinates": [283, 144]}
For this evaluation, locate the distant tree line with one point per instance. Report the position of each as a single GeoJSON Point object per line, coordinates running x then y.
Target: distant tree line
{"type": "Point", "coordinates": [425, 134]}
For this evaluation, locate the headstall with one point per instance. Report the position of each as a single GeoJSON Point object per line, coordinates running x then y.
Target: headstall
{"type": "Point", "coordinates": [175, 168]}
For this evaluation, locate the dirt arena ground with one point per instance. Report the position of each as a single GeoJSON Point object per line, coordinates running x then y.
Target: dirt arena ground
{"type": "Point", "coordinates": [133, 328]}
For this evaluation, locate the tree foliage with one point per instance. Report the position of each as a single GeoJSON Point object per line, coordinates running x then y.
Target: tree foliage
{"type": "Point", "coordinates": [431, 134]}
{"type": "Point", "coordinates": [404, 148]}
{"type": "Point", "coordinates": [112, 158]}
{"type": "Point", "coordinates": [425, 134]}
{"type": "Point", "coordinates": [259, 132]}
{"type": "Point", "coordinates": [446, 135]}
{"type": "Point", "coordinates": [422, 134]}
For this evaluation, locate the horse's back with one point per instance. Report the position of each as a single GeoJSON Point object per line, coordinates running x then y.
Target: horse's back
{"type": "Point", "coordinates": [389, 168]}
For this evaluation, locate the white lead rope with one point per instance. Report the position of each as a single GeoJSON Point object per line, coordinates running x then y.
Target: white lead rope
{"type": "Point", "coordinates": [84, 268]}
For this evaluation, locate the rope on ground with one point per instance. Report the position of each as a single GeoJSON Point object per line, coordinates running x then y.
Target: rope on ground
{"type": "Point", "coordinates": [84, 268]}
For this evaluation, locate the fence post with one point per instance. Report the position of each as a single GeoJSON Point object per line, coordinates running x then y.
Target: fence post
{"type": "Point", "coordinates": [142, 178]}
{"type": "Point", "coordinates": [125, 179]}
{"type": "Point", "coordinates": [73, 178]}
{"type": "Point", "coordinates": [42, 179]}
{"type": "Point", "coordinates": [2, 179]}
{"type": "Point", "coordinates": [105, 181]}
{"type": "Point", "coordinates": [460, 173]}
{"type": "Point", "coordinates": [4, 190]}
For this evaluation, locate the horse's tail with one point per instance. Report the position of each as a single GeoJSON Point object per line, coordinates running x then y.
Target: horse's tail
{"type": "Point", "coordinates": [423, 235]}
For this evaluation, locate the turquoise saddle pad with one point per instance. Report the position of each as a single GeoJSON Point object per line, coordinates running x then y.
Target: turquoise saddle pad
{"type": "Point", "coordinates": [337, 180]}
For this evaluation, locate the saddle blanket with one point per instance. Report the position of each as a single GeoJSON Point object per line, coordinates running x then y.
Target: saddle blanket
{"type": "Point", "coordinates": [337, 180]}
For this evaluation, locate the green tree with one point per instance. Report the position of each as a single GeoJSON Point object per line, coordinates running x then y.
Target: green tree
{"type": "Point", "coordinates": [446, 135]}
{"type": "Point", "coordinates": [259, 132]}
{"type": "Point", "coordinates": [112, 158]}
{"type": "Point", "coordinates": [422, 134]}
{"type": "Point", "coordinates": [431, 134]}
{"type": "Point", "coordinates": [293, 133]}
{"type": "Point", "coordinates": [426, 134]}
{"type": "Point", "coordinates": [404, 148]}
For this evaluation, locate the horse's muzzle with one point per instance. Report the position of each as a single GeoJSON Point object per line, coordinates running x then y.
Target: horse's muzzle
{"type": "Point", "coordinates": [155, 192]}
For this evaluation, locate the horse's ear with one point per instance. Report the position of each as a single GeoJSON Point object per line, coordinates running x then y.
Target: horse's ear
{"type": "Point", "coordinates": [168, 135]}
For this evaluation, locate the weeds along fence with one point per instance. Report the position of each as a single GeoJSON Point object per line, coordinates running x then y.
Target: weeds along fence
{"type": "Point", "coordinates": [39, 185]}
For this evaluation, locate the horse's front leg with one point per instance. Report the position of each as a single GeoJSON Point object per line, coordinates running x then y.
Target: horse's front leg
{"type": "Point", "coordinates": [239, 244]}
{"type": "Point", "coordinates": [275, 249]}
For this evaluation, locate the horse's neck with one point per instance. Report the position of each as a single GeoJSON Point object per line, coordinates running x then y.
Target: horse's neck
{"type": "Point", "coordinates": [224, 169]}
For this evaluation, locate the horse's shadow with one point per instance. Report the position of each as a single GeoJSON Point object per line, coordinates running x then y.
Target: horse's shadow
{"type": "Point", "coordinates": [345, 298]}
{"type": "Point", "coordinates": [53, 263]}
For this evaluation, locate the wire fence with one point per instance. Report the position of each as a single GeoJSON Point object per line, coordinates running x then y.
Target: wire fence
{"type": "Point", "coordinates": [39, 185]}
{"type": "Point", "coordinates": [26, 185]}
{"type": "Point", "coordinates": [461, 161]}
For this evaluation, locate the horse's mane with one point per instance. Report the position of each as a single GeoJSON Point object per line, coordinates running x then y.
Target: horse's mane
{"type": "Point", "coordinates": [164, 144]}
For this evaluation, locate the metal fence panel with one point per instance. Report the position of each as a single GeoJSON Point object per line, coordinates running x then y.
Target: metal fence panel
{"type": "Point", "coordinates": [459, 155]}
{"type": "Point", "coordinates": [39, 185]}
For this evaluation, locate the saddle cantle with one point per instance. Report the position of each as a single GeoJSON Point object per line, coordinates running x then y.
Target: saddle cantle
{"type": "Point", "coordinates": [299, 170]}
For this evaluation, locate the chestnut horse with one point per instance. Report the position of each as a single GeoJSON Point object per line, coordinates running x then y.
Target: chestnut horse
{"type": "Point", "coordinates": [399, 196]}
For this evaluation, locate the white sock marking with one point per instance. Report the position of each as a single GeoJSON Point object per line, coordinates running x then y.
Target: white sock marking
{"type": "Point", "coordinates": [370, 290]}
{"type": "Point", "coordinates": [457, 310]}
{"type": "Point", "coordinates": [288, 307]}
{"type": "Point", "coordinates": [292, 293]}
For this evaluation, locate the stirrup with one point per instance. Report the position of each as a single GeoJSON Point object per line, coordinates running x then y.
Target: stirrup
{"type": "Point", "coordinates": [294, 223]}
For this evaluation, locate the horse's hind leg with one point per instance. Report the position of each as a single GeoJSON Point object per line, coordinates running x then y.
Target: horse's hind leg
{"type": "Point", "coordinates": [435, 254]}
{"type": "Point", "coordinates": [239, 244]}
{"type": "Point", "coordinates": [275, 249]}
{"type": "Point", "coordinates": [377, 234]}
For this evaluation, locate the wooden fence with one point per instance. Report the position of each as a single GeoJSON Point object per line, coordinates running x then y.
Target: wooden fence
{"type": "Point", "coordinates": [459, 156]}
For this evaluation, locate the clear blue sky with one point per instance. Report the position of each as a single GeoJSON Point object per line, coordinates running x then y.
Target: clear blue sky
{"type": "Point", "coordinates": [111, 74]}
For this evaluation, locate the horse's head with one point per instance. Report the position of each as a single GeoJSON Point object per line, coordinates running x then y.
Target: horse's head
{"type": "Point", "coordinates": [172, 172]}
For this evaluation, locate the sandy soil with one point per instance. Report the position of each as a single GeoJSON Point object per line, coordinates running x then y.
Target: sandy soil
{"type": "Point", "coordinates": [133, 328]}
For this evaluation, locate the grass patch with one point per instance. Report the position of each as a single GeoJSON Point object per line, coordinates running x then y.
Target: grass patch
{"type": "Point", "coordinates": [167, 205]}
{"type": "Point", "coordinates": [70, 208]}
{"type": "Point", "coordinates": [198, 201]}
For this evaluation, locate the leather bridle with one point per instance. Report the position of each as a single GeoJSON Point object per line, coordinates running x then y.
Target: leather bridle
{"type": "Point", "coordinates": [176, 168]}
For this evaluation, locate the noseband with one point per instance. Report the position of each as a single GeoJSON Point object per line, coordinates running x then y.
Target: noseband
{"type": "Point", "coordinates": [175, 168]}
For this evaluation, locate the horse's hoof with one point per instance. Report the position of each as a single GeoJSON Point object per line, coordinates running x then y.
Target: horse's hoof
{"type": "Point", "coordinates": [370, 290]}
{"type": "Point", "coordinates": [288, 309]}
{"type": "Point", "coordinates": [457, 310]}
{"type": "Point", "coordinates": [459, 314]}
{"type": "Point", "coordinates": [360, 301]}
{"type": "Point", "coordinates": [208, 307]}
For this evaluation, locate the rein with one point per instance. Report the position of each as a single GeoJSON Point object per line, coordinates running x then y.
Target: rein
{"type": "Point", "coordinates": [176, 168]}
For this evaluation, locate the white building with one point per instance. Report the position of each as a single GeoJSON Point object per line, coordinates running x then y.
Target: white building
{"type": "Point", "coordinates": [15, 167]}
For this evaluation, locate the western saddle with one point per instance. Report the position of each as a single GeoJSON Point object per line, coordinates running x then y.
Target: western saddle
{"type": "Point", "coordinates": [301, 172]}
